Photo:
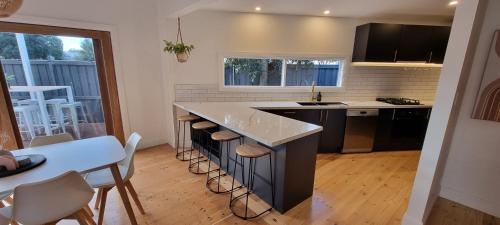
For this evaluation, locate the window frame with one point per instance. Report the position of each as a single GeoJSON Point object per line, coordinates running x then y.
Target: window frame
{"type": "Point", "coordinates": [283, 87]}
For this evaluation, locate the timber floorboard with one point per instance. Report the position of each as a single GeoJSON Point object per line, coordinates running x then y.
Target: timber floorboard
{"type": "Point", "coordinates": [371, 188]}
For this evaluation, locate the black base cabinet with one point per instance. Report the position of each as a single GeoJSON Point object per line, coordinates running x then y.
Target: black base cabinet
{"type": "Point", "coordinates": [332, 121]}
{"type": "Point", "coordinates": [332, 137]}
{"type": "Point", "coordinates": [401, 129]}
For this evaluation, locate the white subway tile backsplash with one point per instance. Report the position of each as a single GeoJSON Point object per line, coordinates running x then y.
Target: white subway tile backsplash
{"type": "Point", "coordinates": [361, 84]}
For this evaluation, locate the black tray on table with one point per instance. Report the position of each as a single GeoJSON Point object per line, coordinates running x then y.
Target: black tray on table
{"type": "Point", "coordinates": [36, 160]}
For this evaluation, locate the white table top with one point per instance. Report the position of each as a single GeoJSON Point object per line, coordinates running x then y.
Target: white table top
{"type": "Point", "coordinates": [82, 156]}
{"type": "Point", "coordinates": [35, 88]}
{"type": "Point", "coordinates": [266, 128]}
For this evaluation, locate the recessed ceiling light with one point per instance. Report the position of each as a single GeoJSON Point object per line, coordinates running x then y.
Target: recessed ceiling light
{"type": "Point", "coordinates": [326, 12]}
{"type": "Point", "coordinates": [258, 8]}
{"type": "Point", "coordinates": [452, 3]}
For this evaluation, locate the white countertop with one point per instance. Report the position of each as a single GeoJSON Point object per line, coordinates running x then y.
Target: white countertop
{"type": "Point", "coordinates": [266, 128]}
{"type": "Point", "coordinates": [246, 119]}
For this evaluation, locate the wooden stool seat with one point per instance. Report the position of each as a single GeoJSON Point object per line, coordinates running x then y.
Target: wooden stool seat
{"type": "Point", "coordinates": [204, 125]}
{"type": "Point", "coordinates": [252, 150]}
{"type": "Point", "coordinates": [224, 135]}
{"type": "Point", "coordinates": [187, 118]}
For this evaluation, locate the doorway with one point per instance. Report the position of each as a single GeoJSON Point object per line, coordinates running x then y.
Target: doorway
{"type": "Point", "coordinates": [56, 80]}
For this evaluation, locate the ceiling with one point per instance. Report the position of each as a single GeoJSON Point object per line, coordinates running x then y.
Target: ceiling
{"type": "Point", "coordinates": [338, 8]}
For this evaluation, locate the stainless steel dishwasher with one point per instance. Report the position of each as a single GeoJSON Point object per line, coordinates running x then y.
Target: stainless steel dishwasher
{"type": "Point", "coordinates": [361, 125]}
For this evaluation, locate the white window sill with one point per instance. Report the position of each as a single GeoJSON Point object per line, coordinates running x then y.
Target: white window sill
{"type": "Point", "coordinates": [279, 89]}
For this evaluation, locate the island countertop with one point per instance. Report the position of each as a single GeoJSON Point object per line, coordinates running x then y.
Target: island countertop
{"type": "Point", "coordinates": [243, 118]}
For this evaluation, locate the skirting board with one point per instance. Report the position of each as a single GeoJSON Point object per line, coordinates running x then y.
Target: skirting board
{"type": "Point", "coordinates": [146, 143]}
{"type": "Point", "coordinates": [475, 202]}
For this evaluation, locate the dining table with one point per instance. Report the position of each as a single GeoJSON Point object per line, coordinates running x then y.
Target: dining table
{"type": "Point", "coordinates": [37, 93]}
{"type": "Point", "coordinates": [83, 156]}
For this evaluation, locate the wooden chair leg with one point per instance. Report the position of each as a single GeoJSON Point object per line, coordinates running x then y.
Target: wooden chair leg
{"type": "Point", "coordinates": [98, 198]}
{"type": "Point", "coordinates": [89, 211]}
{"type": "Point", "coordinates": [103, 205]}
{"type": "Point", "coordinates": [132, 192]}
{"type": "Point", "coordinates": [9, 200]}
{"type": "Point", "coordinates": [86, 216]}
{"type": "Point", "coordinates": [79, 216]}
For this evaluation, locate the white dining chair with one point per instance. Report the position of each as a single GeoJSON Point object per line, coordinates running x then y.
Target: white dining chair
{"type": "Point", "coordinates": [64, 196]}
{"type": "Point", "coordinates": [103, 179]}
{"type": "Point", "coordinates": [48, 140]}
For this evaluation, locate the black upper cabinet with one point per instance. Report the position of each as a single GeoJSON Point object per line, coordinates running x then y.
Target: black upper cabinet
{"type": "Point", "coordinates": [439, 42]}
{"type": "Point", "coordinates": [378, 42]}
{"type": "Point", "coordinates": [414, 43]}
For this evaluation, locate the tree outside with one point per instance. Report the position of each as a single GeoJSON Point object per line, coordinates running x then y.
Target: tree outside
{"type": "Point", "coordinates": [39, 46]}
{"type": "Point", "coordinates": [45, 47]}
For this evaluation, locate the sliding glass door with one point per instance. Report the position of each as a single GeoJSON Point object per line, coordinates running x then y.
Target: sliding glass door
{"type": "Point", "coordinates": [58, 82]}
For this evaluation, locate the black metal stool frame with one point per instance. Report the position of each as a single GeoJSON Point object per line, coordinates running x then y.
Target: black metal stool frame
{"type": "Point", "coordinates": [210, 179]}
{"type": "Point", "coordinates": [183, 142]}
{"type": "Point", "coordinates": [200, 149]}
{"type": "Point", "coordinates": [251, 178]}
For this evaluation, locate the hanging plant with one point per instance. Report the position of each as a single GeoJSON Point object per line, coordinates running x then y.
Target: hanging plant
{"type": "Point", "coordinates": [9, 7]}
{"type": "Point", "coordinates": [180, 49]}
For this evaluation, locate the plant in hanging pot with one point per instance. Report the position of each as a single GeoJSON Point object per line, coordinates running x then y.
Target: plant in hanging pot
{"type": "Point", "coordinates": [181, 50]}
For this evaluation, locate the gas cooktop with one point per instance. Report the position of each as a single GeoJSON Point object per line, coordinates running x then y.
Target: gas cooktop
{"type": "Point", "coordinates": [399, 101]}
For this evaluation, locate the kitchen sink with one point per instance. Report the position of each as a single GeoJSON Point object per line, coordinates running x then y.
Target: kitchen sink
{"type": "Point", "coordinates": [319, 103]}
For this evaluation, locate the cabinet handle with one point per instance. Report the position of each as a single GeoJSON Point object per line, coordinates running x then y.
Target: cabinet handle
{"type": "Point", "coordinates": [289, 112]}
{"type": "Point", "coordinates": [393, 114]}
{"type": "Point", "coordinates": [395, 55]}
{"type": "Point", "coordinates": [321, 117]}
{"type": "Point", "coordinates": [430, 57]}
{"type": "Point", "coordinates": [326, 119]}
{"type": "Point", "coordinates": [428, 114]}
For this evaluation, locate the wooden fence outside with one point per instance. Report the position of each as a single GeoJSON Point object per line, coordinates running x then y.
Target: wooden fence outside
{"type": "Point", "coordinates": [322, 75]}
{"type": "Point", "coordinates": [80, 75]}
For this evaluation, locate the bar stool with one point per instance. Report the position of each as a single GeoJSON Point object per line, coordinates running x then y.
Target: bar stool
{"type": "Point", "coordinates": [252, 152]}
{"type": "Point", "coordinates": [199, 127]}
{"type": "Point", "coordinates": [222, 137]}
{"type": "Point", "coordinates": [184, 119]}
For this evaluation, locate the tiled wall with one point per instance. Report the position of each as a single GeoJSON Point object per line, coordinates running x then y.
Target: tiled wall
{"type": "Point", "coordinates": [362, 83]}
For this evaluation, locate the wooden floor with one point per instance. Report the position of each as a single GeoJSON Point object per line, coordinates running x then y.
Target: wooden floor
{"type": "Point", "coordinates": [349, 189]}
{"type": "Point", "coordinates": [452, 213]}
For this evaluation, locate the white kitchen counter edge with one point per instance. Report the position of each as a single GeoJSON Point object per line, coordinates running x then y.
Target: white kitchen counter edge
{"type": "Point", "coordinates": [248, 134]}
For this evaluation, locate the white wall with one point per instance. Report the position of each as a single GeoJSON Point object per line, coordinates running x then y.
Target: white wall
{"type": "Point", "coordinates": [472, 172]}
{"type": "Point", "coordinates": [456, 67]}
{"type": "Point", "coordinates": [137, 54]}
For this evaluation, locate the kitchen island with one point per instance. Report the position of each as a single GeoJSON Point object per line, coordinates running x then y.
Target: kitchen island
{"type": "Point", "coordinates": [293, 143]}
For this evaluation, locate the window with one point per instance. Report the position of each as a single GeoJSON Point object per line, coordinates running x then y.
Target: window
{"type": "Point", "coordinates": [282, 72]}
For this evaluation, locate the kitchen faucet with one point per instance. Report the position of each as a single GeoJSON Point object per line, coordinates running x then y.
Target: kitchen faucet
{"type": "Point", "coordinates": [312, 92]}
